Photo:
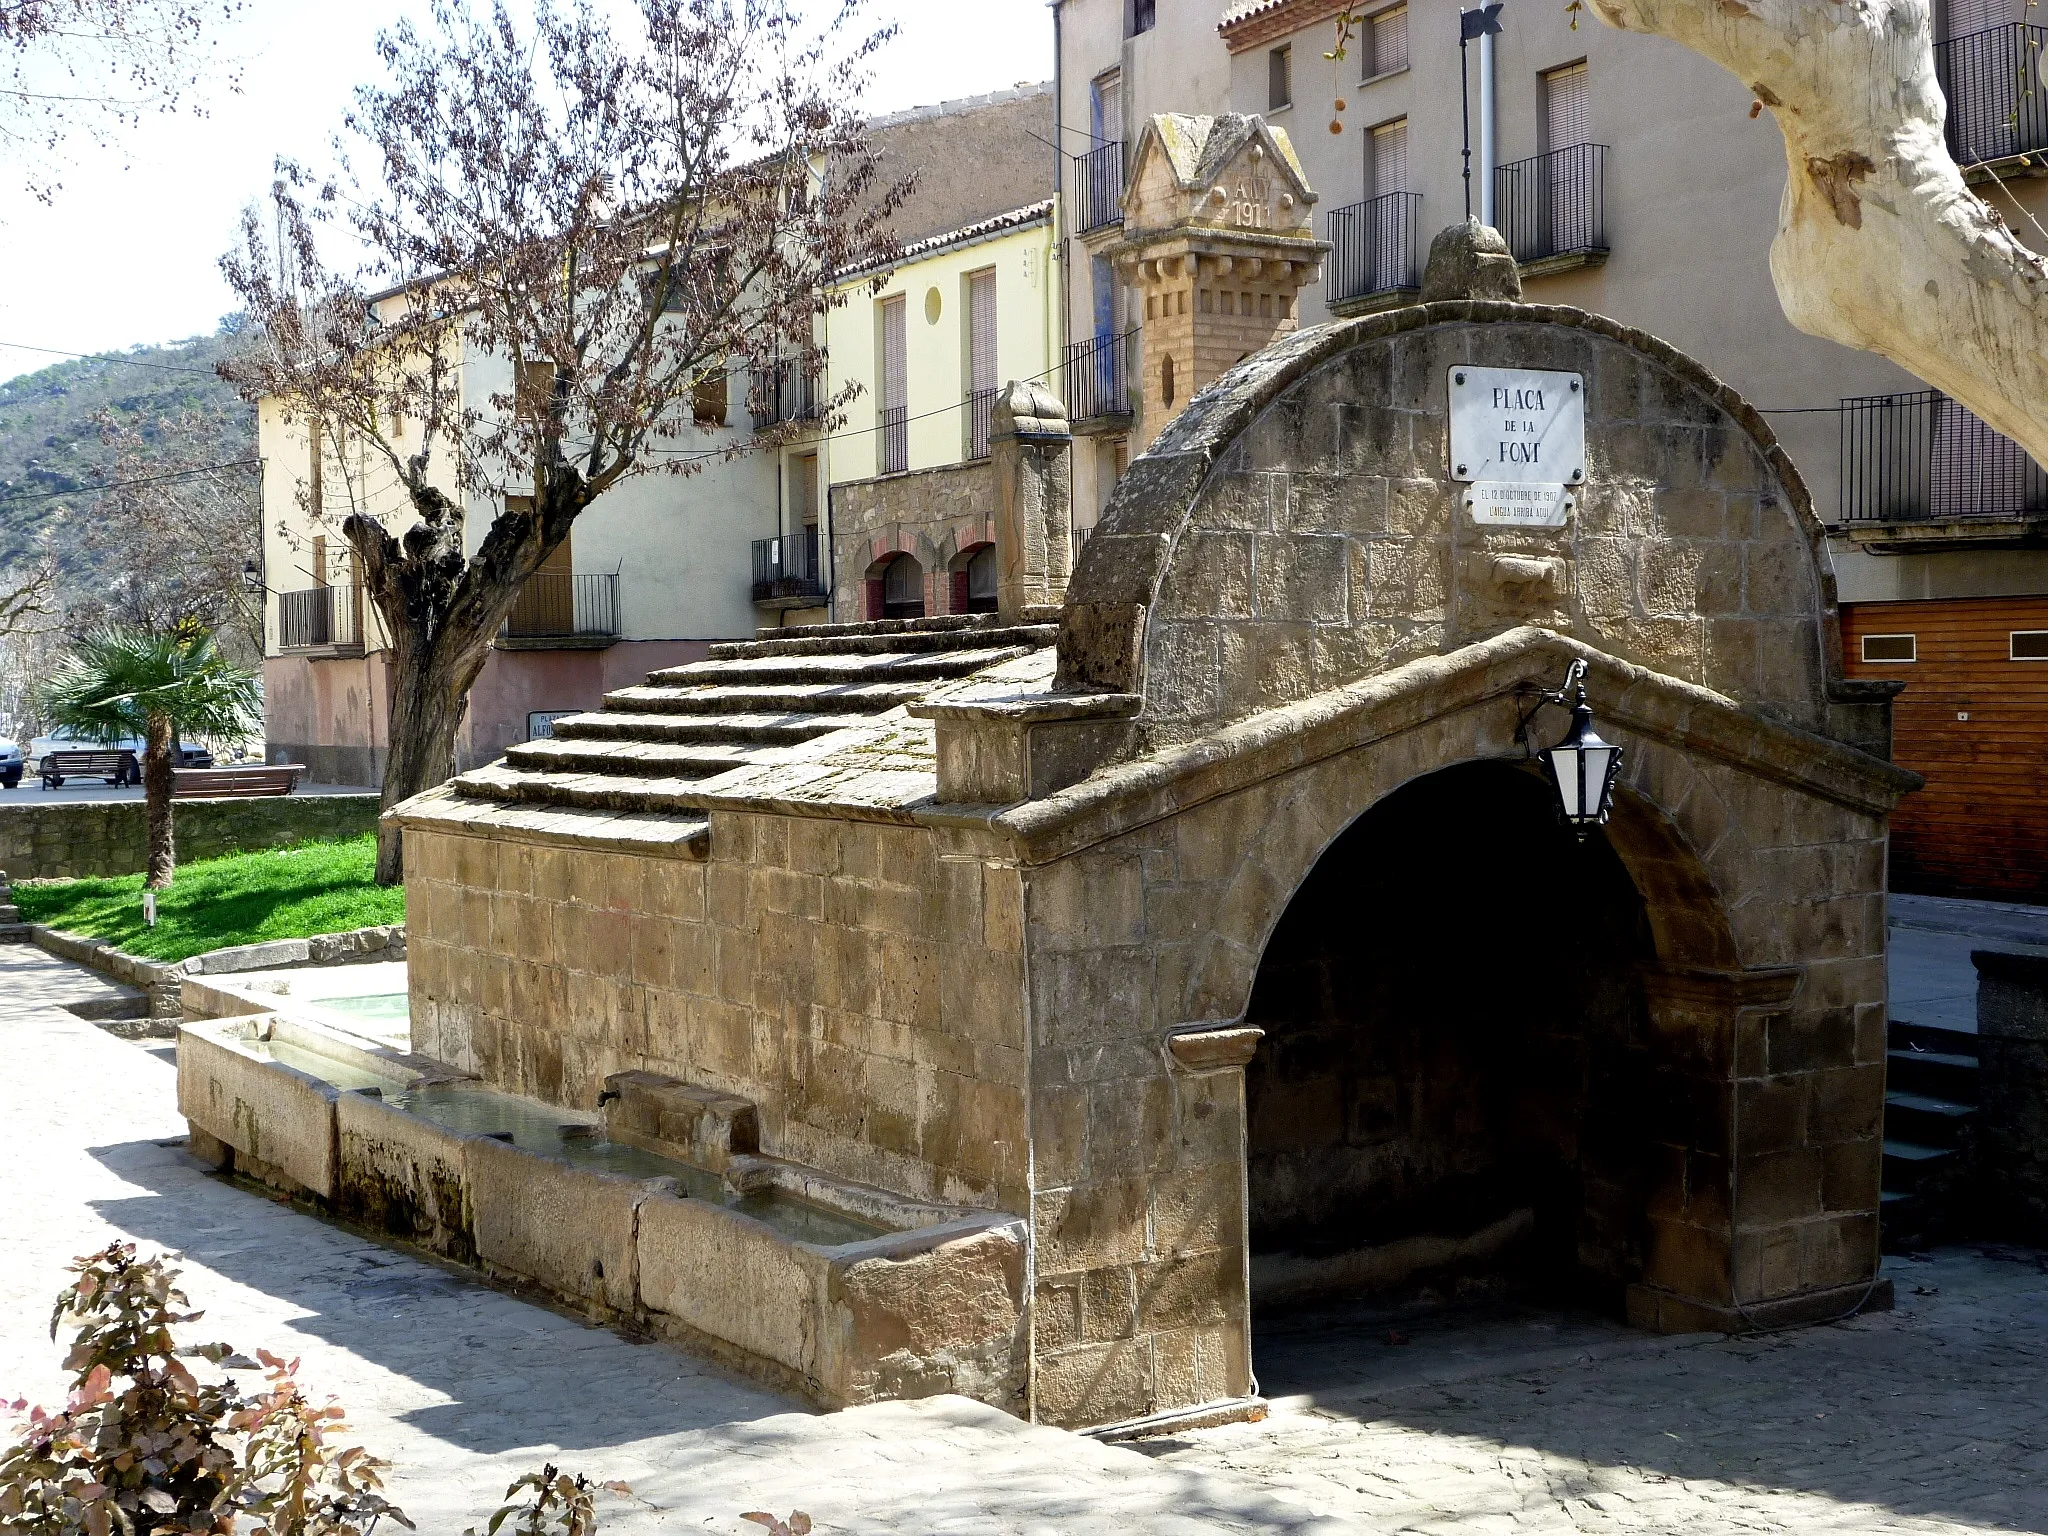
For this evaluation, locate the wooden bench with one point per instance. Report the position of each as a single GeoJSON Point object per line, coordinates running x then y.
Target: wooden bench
{"type": "Point", "coordinates": [116, 767]}
{"type": "Point", "coordinates": [230, 783]}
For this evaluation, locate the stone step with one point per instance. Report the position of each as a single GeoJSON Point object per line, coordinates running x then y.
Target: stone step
{"type": "Point", "coordinates": [937, 624]}
{"type": "Point", "coordinates": [15, 933]}
{"type": "Point", "coordinates": [752, 698]}
{"type": "Point", "coordinates": [830, 668]}
{"type": "Point", "coordinates": [1916, 1119]}
{"type": "Point", "coordinates": [9, 912]}
{"type": "Point", "coordinates": [765, 729]}
{"type": "Point", "coordinates": [640, 759]}
{"type": "Point", "coordinates": [1905, 1036]}
{"type": "Point", "coordinates": [581, 791]}
{"type": "Point", "coordinates": [911, 642]}
{"type": "Point", "coordinates": [1908, 1165]}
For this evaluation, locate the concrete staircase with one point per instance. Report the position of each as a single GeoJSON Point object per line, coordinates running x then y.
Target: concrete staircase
{"type": "Point", "coordinates": [1930, 1097]}
{"type": "Point", "coordinates": [652, 747]}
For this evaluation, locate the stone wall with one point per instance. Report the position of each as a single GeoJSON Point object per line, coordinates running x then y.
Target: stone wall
{"type": "Point", "coordinates": [861, 982]}
{"type": "Point", "coordinates": [937, 516]}
{"type": "Point", "coordinates": [2010, 1184]}
{"type": "Point", "coordinates": [57, 839]}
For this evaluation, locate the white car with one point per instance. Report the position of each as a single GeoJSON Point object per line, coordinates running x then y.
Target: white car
{"type": "Point", "coordinates": [131, 750]}
{"type": "Point", "coordinates": [12, 764]}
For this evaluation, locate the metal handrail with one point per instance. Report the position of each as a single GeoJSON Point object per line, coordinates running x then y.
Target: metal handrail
{"type": "Point", "coordinates": [1098, 375]}
{"type": "Point", "coordinates": [1099, 187]}
{"type": "Point", "coordinates": [320, 616]}
{"type": "Point", "coordinates": [1921, 457]}
{"type": "Point", "coordinates": [894, 448]}
{"type": "Point", "coordinates": [1994, 84]}
{"type": "Point", "coordinates": [788, 393]}
{"type": "Point", "coordinates": [788, 566]}
{"type": "Point", "coordinates": [1554, 204]}
{"type": "Point", "coordinates": [559, 605]}
{"type": "Point", "coordinates": [1373, 246]}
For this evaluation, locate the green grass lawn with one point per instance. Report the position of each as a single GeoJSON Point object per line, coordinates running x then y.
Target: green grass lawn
{"type": "Point", "coordinates": [245, 898]}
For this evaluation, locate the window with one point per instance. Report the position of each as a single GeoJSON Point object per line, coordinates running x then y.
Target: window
{"type": "Point", "coordinates": [2028, 645]}
{"type": "Point", "coordinates": [982, 378]}
{"type": "Point", "coordinates": [320, 566]}
{"type": "Point", "coordinates": [1142, 14]}
{"type": "Point", "coordinates": [979, 579]}
{"type": "Point", "coordinates": [903, 589]}
{"type": "Point", "coordinates": [803, 491]}
{"type": "Point", "coordinates": [1565, 93]}
{"type": "Point", "coordinates": [534, 389]}
{"type": "Point", "coordinates": [1891, 648]}
{"type": "Point", "coordinates": [895, 410]}
{"type": "Point", "coordinates": [1389, 50]}
{"type": "Point", "coordinates": [1279, 78]}
{"type": "Point", "coordinates": [1106, 108]}
{"type": "Point", "coordinates": [711, 397]}
{"type": "Point", "coordinates": [1387, 149]}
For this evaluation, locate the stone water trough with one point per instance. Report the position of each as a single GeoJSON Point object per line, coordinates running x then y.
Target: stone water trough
{"type": "Point", "coordinates": [658, 1213]}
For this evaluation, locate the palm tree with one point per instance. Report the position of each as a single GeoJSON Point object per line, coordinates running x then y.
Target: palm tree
{"type": "Point", "coordinates": [123, 683]}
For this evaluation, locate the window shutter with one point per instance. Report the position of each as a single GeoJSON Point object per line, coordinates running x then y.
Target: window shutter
{"type": "Point", "coordinates": [1565, 93]}
{"type": "Point", "coordinates": [1389, 41]}
{"type": "Point", "coordinates": [1390, 158]}
{"type": "Point", "coordinates": [981, 330]}
{"type": "Point", "coordinates": [895, 379]}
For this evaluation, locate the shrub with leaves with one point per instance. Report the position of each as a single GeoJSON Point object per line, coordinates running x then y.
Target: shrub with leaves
{"type": "Point", "coordinates": [798, 1524]}
{"type": "Point", "coordinates": [143, 1447]}
{"type": "Point", "coordinates": [549, 1503]}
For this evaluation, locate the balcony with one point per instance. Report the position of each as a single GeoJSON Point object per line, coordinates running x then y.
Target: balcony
{"type": "Point", "coordinates": [787, 573]}
{"type": "Point", "coordinates": [892, 451]}
{"type": "Point", "coordinates": [324, 619]}
{"type": "Point", "coordinates": [980, 413]}
{"type": "Point", "coordinates": [556, 611]}
{"type": "Point", "coordinates": [1373, 263]}
{"type": "Point", "coordinates": [1099, 188]}
{"type": "Point", "coordinates": [1922, 471]}
{"type": "Point", "coordinates": [1994, 85]}
{"type": "Point", "coordinates": [1098, 380]}
{"type": "Point", "coordinates": [1553, 208]}
{"type": "Point", "coordinates": [788, 393]}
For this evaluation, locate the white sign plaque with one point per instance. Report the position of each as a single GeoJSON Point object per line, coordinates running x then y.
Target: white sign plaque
{"type": "Point", "coordinates": [1517, 426]}
{"type": "Point", "coordinates": [1521, 504]}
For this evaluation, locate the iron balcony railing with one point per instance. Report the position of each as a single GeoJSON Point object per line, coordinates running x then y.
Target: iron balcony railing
{"type": "Point", "coordinates": [1098, 375]}
{"type": "Point", "coordinates": [555, 605]}
{"type": "Point", "coordinates": [894, 447]}
{"type": "Point", "coordinates": [320, 616]}
{"type": "Point", "coordinates": [1372, 246]}
{"type": "Point", "coordinates": [1099, 187]}
{"type": "Point", "coordinates": [788, 393]}
{"type": "Point", "coordinates": [980, 413]}
{"type": "Point", "coordinates": [1554, 204]}
{"type": "Point", "coordinates": [788, 567]}
{"type": "Point", "coordinates": [1993, 82]}
{"type": "Point", "coordinates": [1924, 458]}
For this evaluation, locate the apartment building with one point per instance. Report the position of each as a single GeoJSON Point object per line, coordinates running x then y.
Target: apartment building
{"type": "Point", "coordinates": [663, 565]}
{"type": "Point", "coordinates": [1633, 178]}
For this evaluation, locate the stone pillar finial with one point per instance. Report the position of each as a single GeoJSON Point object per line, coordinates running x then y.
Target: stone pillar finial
{"type": "Point", "coordinates": [1470, 261]}
{"type": "Point", "coordinates": [1031, 445]}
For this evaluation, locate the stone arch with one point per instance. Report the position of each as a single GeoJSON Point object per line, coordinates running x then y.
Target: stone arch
{"type": "Point", "coordinates": [1296, 528]}
{"type": "Point", "coordinates": [894, 583]}
{"type": "Point", "coordinates": [972, 578]}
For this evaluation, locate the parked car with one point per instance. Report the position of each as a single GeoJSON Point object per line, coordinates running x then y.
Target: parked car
{"type": "Point", "coordinates": [12, 764]}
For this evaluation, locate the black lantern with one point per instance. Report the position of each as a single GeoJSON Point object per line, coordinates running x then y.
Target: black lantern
{"type": "Point", "coordinates": [252, 579]}
{"type": "Point", "coordinates": [1582, 766]}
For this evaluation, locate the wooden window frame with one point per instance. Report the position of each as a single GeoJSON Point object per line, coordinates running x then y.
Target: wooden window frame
{"type": "Point", "coordinates": [2012, 643]}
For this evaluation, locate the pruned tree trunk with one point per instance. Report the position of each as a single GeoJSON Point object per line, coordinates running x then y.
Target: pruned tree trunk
{"type": "Point", "coordinates": [429, 695]}
{"type": "Point", "coordinates": [156, 797]}
{"type": "Point", "coordinates": [1881, 245]}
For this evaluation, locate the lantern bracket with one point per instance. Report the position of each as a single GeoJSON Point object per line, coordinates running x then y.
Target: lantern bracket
{"type": "Point", "coordinates": [1562, 696]}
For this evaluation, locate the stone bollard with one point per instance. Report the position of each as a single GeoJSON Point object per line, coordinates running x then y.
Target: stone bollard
{"type": "Point", "coordinates": [1032, 447]}
{"type": "Point", "coordinates": [2012, 1120]}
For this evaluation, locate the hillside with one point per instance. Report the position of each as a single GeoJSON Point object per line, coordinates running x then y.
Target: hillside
{"type": "Point", "coordinates": [50, 451]}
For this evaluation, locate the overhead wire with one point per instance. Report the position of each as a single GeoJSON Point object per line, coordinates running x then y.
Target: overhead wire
{"type": "Point", "coordinates": [104, 357]}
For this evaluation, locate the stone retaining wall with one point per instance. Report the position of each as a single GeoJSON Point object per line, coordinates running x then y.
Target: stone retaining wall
{"type": "Point", "coordinates": [62, 839]}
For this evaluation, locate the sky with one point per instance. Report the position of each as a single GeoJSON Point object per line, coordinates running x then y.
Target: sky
{"type": "Point", "coordinates": [127, 252]}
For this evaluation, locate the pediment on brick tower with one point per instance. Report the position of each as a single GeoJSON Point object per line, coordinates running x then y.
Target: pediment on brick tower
{"type": "Point", "coordinates": [1233, 172]}
{"type": "Point", "coordinates": [1303, 525]}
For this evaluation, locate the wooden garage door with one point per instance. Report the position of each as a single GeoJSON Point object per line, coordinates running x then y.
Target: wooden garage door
{"type": "Point", "coordinates": [1974, 720]}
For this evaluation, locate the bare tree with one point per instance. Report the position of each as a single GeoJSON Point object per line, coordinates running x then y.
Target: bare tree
{"type": "Point", "coordinates": [607, 221]}
{"type": "Point", "coordinates": [96, 65]}
{"type": "Point", "coordinates": [29, 602]}
{"type": "Point", "coordinates": [1881, 245]}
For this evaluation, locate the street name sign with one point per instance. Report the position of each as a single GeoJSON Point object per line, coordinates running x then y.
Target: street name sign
{"type": "Point", "coordinates": [1518, 439]}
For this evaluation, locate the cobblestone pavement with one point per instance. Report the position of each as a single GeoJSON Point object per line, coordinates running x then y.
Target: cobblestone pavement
{"type": "Point", "coordinates": [1934, 1418]}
